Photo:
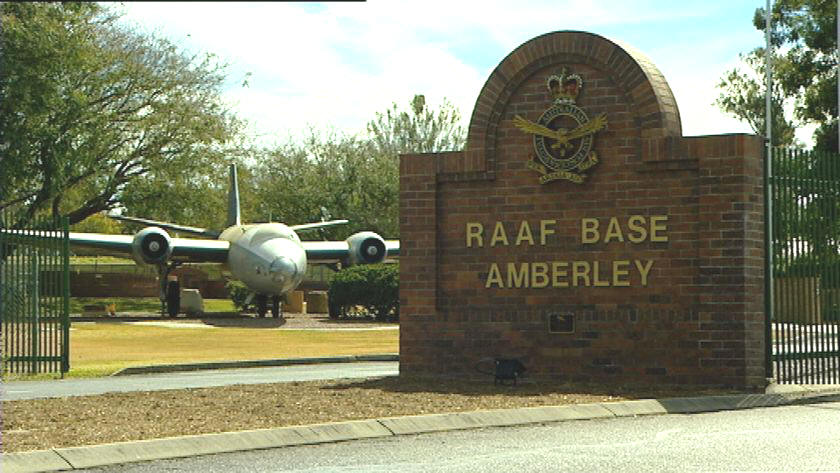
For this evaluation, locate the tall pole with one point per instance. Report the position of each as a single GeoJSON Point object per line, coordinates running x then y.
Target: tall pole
{"type": "Point", "coordinates": [837, 64]}
{"type": "Point", "coordinates": [768, 79]}
{"type": "Point", "coordinates": [768, 206]}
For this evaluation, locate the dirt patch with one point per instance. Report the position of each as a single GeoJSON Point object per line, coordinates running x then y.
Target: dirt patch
{"type": "Point", "coordinates": [88, 420]}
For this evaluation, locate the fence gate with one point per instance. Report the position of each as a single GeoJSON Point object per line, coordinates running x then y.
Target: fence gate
{"type": "Point", "coordinates": [34, 296]}
{"type": "Point", "coordinates": [805, 330]}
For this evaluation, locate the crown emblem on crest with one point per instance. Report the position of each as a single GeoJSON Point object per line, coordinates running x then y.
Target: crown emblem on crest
{"type": "Point", "coordinates": [564, 87]}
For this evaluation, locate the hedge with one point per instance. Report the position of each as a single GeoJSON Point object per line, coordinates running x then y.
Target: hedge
{"type": "Point", "coordinates": [371, 290]}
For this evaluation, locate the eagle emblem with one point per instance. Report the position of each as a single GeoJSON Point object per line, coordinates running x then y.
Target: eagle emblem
{"type": "Point", "coordinates": [563, 134]}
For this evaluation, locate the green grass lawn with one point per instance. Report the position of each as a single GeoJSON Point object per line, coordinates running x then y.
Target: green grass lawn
{"type": "Point", "coordinates": [98, 349]}
{"type": "Point", "coordinates": [100, 260]}
{"type": "Point", "coordinates": [103, 348]}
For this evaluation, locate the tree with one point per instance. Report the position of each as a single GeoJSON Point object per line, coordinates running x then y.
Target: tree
{"type": "Point", "coordinates": [195, 195]}
{"type": "Point", "coordinates": [420, 130]}
{"type": "Point", "coordinates": [344, 175]}
{"type": "Point", "coordinates": [743, 96]}
{"type": "Point", "coordinates": [98, 223]}
{"type": "Point", "coordinates": [808, 70]}
{"type": "Point", "coordinates": [804, 32]}
{"type": "Point", "coordinates": [353, 177]}
{"type": "Point", "coordinates": [88, 106]}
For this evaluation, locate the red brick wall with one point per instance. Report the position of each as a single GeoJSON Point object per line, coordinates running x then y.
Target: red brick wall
{"type": "Point", "coordinates": [698, 320]}
{"type": "Point", "coordinates": [112, 285]}
{"type": "Point", "coordinates": [90, 284]}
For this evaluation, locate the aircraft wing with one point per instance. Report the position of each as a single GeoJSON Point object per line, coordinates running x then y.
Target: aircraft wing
{"type": "Point", "coordinates": [190, 250]}
{"type": "Point", "coordinates": [336, 251]}
{"type": "Point", "coordinates": [168, 226]}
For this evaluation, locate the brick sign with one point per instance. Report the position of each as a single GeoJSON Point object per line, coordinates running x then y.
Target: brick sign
{"type": "Point", "coordinates": [581, 233]}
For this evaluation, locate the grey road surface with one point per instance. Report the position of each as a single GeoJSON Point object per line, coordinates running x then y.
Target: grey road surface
{"type": "Point", "coordinates": [194, 379]}
{"type": "Point", "coordinates": [792, 438]}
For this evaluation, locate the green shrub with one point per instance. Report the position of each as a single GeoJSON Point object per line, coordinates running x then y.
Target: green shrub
{"type": "Point", "coordinates": [238, 293]}
{"type": "Point", "coordinates": [366, 290]}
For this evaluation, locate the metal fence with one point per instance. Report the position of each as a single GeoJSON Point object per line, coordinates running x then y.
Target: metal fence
{"type": "Point", "coordinates": [805, 330]}
{"type": "Point", "coordinates": [34, 296]}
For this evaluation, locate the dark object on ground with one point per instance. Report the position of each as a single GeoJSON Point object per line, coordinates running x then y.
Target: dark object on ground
{"type": "Point", "coordinates": [508, 368]}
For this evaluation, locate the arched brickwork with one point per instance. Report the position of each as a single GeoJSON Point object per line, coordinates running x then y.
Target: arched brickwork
{"type": "Point", "coordinates": [654, 106]}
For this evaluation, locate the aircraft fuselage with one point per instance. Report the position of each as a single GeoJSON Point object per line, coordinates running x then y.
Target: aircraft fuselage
{"type": "Point", "coordinates": [267, 257]}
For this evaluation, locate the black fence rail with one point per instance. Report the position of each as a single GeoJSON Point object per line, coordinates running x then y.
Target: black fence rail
{"type": "Point", "coordinates": [34, 296]}
{"type": "Point", "coordinates": [805, 330]}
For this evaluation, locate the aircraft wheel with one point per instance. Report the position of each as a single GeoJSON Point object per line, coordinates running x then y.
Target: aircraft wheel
{"type": "Point", "coordinates": [173, 298]}
{"type": "Point", "coordinates": [262, 305]}
{"type": "Point", "coordinates": [275, 307]}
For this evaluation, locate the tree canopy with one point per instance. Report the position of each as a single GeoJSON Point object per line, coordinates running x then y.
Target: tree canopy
{"type": "Point", "coordinates": [88, 104]}
{"type": "Point", "coordinates": [352, 176]}
{"type": "Point", "coordinates": [743, 96]}
{"type": "Point", "coordinates": [803, 35]}
{"type": "Point", "coordinates": [328, 175]}
{"type": "Point", "coordinates": [417, 130]}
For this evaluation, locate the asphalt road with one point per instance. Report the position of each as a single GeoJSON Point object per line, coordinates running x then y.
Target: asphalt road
{"type": "Point", "coordinates": [18, 390]}
{"type": "Point", "coordinates": [791, 438]}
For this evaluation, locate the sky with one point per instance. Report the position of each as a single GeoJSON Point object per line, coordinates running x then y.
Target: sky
{"type": "Point", "coordinates": [333, 66]}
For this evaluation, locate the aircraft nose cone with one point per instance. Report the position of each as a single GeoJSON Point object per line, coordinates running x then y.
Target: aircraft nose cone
{"type": "Point", "coordinates": [282, 269]}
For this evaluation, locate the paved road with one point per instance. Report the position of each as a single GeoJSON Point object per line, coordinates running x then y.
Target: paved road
{"type": "Point", "coordinates": [792, 438]}
{"type": "Point", "coordinates": [194, 379]}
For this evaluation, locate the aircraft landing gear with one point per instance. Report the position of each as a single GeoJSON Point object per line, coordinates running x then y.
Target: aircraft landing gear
{"type": "Point", "coordinates": [275, 307]}
{"type": "Point", "coordinates": [262, 305]}
{"type": "Point", "coordinates": [173, 298]}
{"type": "Point", "coordinates": [170, 291]}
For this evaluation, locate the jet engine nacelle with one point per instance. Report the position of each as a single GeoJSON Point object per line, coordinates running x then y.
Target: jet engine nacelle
{"type": "Point", "coordinates": [366, 248]}
{"type": "Point", "coordinates": [151, 245]}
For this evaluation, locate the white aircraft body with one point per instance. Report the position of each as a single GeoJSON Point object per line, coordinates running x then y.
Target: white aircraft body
{"type": "Point", "coordinates": [269, 258]}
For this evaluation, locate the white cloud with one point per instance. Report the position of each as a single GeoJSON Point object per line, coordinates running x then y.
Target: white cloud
{"type": "Point", "coordinates": [695, 97]}
{"type": "Point", "coordinates": [337, 64]}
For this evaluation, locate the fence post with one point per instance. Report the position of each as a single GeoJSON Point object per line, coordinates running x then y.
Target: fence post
{"type": "Point", "coordinates": [65, 316]}
{"type": "Point", "coordinates": [4, 332]}
{"type": "Point", "coordinates": [768, 263]}
{"type": "Point", "coordinates": [34, 312]}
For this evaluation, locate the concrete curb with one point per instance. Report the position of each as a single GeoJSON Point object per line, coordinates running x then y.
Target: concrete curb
{"type": "Point", "coordinates": [62, 459]}
{"type": "Point", "coordinates": [253, 364]}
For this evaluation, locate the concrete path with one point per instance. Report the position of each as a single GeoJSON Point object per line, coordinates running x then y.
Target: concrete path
{"type": "Point", "coordinates": [210, 374]}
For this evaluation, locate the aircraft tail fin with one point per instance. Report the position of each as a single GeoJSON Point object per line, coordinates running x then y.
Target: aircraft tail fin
{"type": "Point", "coordinates": [234, 217]}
